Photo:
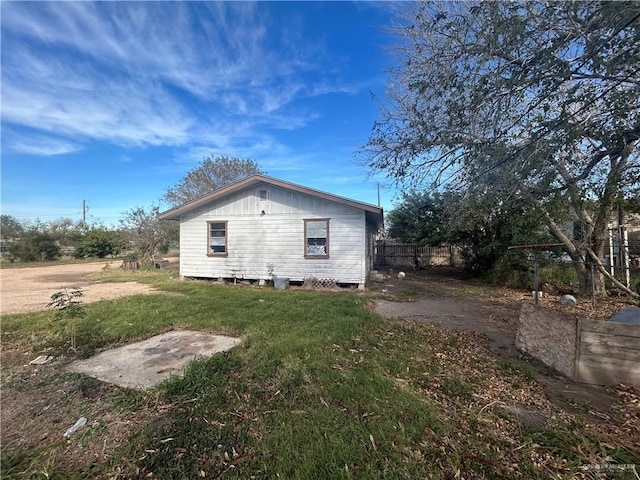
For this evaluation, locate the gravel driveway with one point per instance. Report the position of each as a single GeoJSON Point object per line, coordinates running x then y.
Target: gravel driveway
{"type": "Point", "coordinates": [24, 290]}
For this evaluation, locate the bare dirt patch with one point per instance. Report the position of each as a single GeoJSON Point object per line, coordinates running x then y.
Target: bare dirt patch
{"type": "Point", "coordinates": [441, 297]}
{"type": "Point", "coordinates": [40, 403]}
{"type": "Point", "coordinates": [24, 290]}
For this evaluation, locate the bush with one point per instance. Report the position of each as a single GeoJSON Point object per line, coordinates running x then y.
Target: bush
{"type": "Point", "coordinates": [34, 247]}
{"type": "Point", "coordinates": [514, 269]}
{"type": "Point", "coordinates": [99, 243]}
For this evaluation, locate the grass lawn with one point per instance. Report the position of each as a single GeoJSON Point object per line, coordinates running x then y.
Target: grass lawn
{"type": "Point", "coordinates": [321, 387]}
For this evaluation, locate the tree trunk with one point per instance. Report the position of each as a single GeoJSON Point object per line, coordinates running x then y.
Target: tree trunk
{"type": "Point", "coordinates": [583, 273]}
{"type": "Point", "coordinates": [597, 283]}
{"type": "Point", "coordinates": [590, 280]}
{"type": "Point", "coordinates": [597, 241]}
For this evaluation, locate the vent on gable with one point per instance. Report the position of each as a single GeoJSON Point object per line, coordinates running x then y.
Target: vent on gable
{"type": "Point", "coordinates": [263, 194]}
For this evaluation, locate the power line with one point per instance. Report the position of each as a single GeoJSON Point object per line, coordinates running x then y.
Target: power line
{"type": "Point", "coordinates": [47, 215]}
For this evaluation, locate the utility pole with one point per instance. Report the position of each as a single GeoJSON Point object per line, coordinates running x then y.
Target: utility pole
{"type": "Point", "coordinates": [85, 209]}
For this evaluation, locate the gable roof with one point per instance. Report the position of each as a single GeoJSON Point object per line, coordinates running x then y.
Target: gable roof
{"type": "Point", "coordinates": [373, 213]}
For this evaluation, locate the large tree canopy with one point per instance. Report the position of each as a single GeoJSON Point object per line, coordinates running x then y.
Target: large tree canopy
{"type": "Point", "coordinates": [537, 100]}
{"type": "Point", "coordinates": [421, 218]}
{"type": "Point", "coordinates": [211, 174]}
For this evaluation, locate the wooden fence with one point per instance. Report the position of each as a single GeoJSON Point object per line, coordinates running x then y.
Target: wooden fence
{"type": "Point", "coordinates": [409, 254]}
{"type": "Point", "coordinates": [585, 350]}
{"type": "Point", "coordinates": [608, 353]}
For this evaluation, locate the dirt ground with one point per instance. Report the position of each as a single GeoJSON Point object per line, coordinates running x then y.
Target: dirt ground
{"type": "Point", "coordinates": [39, 403]}
{"type": "Point", "coordinates": [24, 290]}
{"type": "Point", "coordinates": [33, 415]}
{"type": "Point", "coordinates": [435, 298]}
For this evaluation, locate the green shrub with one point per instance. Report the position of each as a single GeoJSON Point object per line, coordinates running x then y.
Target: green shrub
{"type": "Point", "coordinates": [35, 246]}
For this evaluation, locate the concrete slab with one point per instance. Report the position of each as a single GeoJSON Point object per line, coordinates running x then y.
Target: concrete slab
{"type": "Point", "coordinates": [148, 362]}
{"type": "Point", "coordinates": [629, 315]}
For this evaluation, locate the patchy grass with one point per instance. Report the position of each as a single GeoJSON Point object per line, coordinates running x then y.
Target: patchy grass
{"type": "Point", "coordinates": [319, 388]}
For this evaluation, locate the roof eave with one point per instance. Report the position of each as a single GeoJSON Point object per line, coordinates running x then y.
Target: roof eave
{"type": "Point", "coordinates": [177, 212]}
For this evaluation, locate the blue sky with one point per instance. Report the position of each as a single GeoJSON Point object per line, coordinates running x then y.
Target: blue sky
{"type": "Point", "coordinates": [114, 102]}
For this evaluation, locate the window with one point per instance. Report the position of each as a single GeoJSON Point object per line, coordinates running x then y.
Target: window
{"type": "Point", "coordinates": [217, 244]}
{"type": "Point", "coordinates": [316, 238]}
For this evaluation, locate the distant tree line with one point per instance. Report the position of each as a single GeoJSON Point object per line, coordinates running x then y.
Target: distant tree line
{"type": "Point", "coordinates": [46, 241]}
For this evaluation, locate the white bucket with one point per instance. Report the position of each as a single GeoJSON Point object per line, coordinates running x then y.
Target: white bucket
{"type": "Point", "coordinates": [281, 283]}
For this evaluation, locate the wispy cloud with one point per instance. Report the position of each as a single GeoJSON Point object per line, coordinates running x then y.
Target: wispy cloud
{"type": "Point", "coordinates": [41, 145]}
{"type": "Point", "coordinates": [154, 74]}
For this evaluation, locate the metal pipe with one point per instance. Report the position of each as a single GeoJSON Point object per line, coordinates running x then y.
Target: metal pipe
{"type": "Point", "coordinates": [625, 255]}
{"type": "Point", "coordinates": [611, 262]}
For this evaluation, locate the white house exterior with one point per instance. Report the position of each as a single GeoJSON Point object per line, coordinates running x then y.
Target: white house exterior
{"type": "Point", "coordinates": [261, 227]}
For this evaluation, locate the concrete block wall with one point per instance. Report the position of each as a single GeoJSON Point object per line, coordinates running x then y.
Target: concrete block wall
{"type": "Point", "coordinates": [550, 336]}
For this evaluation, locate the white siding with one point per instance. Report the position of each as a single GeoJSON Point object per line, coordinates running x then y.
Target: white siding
{"type": "Point", "coordinates": [256, 241]}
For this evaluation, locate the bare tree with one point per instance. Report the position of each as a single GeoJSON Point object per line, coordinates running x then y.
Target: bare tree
{"type": "Point", "coordinates": [145, 231]}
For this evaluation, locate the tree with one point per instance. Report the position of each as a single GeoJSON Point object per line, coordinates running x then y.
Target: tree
{"type": "Point", "coordinates": [10, 228]}
{"type": "Point", "coordinates": [211, 174]}
{"type": "Point", "coordinates": [99, 242]}
{"type": "Point", "coordinates": [65, 231]}
{"type": "Point", "coordinates": [481, 226]}
{"type": "Point", "coordinates": [420, 218]}
{"type": "Point", "coordinates": [35, 245]}
{"type": "Point", "coordinates": [68, 306]}
{"type": "Point", "coordinates": [536, 100]}
{"type": "Point", "coordinates": [145, 231]}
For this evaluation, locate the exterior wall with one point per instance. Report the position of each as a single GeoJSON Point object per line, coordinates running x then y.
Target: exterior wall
{"type": "Point", "coordinates": [585, 350]}
{"type": "Point", "coordinates": [371, 238]}
{"type": "Point", "coordinates": [261, 245]}
{"type": "Point", "coordinates": [609, 353]}
{"type": "Point", "coordinates": [548, 335]}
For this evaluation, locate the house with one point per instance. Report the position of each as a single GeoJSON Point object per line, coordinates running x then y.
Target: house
{"type": "Point", "coordinates": [260, 228]}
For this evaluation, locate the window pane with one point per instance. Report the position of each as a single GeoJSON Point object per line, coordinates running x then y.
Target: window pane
{"type": "Point", "coordinates": [217, 237]}
{"type": "Point", "coordinates": [317, 229]}
{"type": "Point", "coordinates": [316, 237]}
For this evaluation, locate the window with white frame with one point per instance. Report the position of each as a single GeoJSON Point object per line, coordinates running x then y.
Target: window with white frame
{"type": "Point", "coordinates": [316, 238]}
{"type": "Point", "coordinates": [217, 238]}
